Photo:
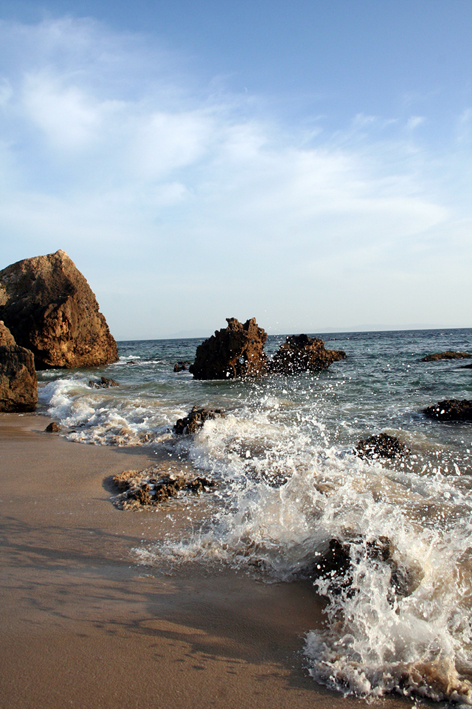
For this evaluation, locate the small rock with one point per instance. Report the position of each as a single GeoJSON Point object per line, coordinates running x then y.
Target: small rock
{"type": "Point", "coordinates": [181, 366]}
{"type": "Point", "coordinates": [450, 410]}
{"type": "Point", "coordinates": [53, 427]}
{"type": "Point", "coordinates": [195, 420]}
{"type": "Point", "coordinates": [102, 383]}
{"type": "Point", "coordinates": [147, 488]}
{"type": "Point", "coordinates": [381, 446]}
{"type": "Point", "coordinates": [446, 355]}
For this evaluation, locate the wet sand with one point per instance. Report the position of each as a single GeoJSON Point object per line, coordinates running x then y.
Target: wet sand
{"type": "Point", "coordinates": [81, 625]}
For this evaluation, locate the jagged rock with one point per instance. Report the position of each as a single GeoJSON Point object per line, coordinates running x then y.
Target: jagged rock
{"type": "Point", "coordinates": [149, 487]}
{"type": "Point", "coordinates": [50, 309]}
{"type": "Point", "coordinates": [6, 338]}
{"type": "Point", "coordinates": [195, 420]}
{"type": "Point", "coordinates": [381, 446]}
{"type": "Point", "coordinates": [102, 383]}
{"type": "Point", "coordinates": [336, 566]}
{"type": "Point", "coordinates": [450, 410]}
{"type": "Point", "coordinates": [181, 366]}
{"type": "Point", "coordinates": [300, 353]}
{"type": "Point", "coordinates": [234, 351]}
{"type": "Point", "coordinates": [53, 427]}
{"type": "Point", "coordinates": [446, 355]}
{"type": "Point", "coordinates": [18, 381]}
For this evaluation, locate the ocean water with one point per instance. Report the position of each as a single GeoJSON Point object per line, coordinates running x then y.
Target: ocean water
{"type": "Point", "coordinates": [288, 482]}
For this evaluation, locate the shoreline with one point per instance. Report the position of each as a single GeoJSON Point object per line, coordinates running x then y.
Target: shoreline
{"type": "Point", "coordinates": [83, 625]}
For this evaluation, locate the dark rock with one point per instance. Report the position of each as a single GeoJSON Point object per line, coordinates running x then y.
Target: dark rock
{"type": "Point", "coordinates": [146, 488]}
{"type": "Point", "coordinates": [300, 353]}
{"type": "Point", "coordinates": [446, 355]}
{"type": "Point", "coordinates": [195, 420]}
{"type": "Point", "coordinates": [181, 366]}
{"type": "Point", "coordinates": [450, 410]}
{"type": "Point", "coordinates": [103, 383]}
{"type": "Point", "coordinates": [337, 565]}
{"type": "Point", "coordinates": [381, 446]}
{"type": "Point", "coordinates": [235, 351]}
{"type": "Point", "coordinates": [466, 366]}
{"type": "Point", "coordinates": [18, 381]}
{"type": "Point", "coordinates": [50, 309]}
{"type": "Point", "coordinates": [53, 427]}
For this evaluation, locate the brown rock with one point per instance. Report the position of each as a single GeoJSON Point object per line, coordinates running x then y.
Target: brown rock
{"type": "Point", "coordinates": [235, 351]}
{"type": "Point", "coordinates": [381, 446]}
{"type": "Point", "coordinates": [6, 338]}
{"type": "Point", "coordinates": [450, 410]}
{"type": "Point", "coordinates": [195, 420]}
{"type": "Point", "coordinates": [149, 487]}
{"type": "Point", "coordinates": [446, 355]}
{"type": "Point", "coordinates": [103, 383]}
{"type": "Point", "coordinates": [18, 381]}
{"type": "Point", "coordinates": [300, 353]}
{"type": "Point", "coordinates": [53, 427]}
{"type": "Point", "coordinates": [50, 309]}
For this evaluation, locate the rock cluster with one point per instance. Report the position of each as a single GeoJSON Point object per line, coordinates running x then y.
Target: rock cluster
{"type": "Point", "coordinates": [381, 446]}
{"type": "Point", "coordinates": [18, 381]}
{"type": "Point", "coordinates": [195, 420]}
{"type": "Point", "coordinates": [450, 410]}
{"type": "Point", "coordinates": [149, 487]}
{"type": "Point", "coordinates": [51, 310]}
{"type": "Point", "coordinates": [181, 366]}
{"type": "Point", "coordinates": [300, 353]}
{"type": "Point", "coordinates": [446, 355]}
{"type": "Point", "coordinates": [234, 351]}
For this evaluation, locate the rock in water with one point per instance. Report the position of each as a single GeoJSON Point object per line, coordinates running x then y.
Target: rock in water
{"type": "Point", "coordinates": [50, 309]}
{"type": "Point", "coordinates": [300, 353]}
{"type": "Point", "coordinates": [381, 446]}
{"type": "Point", "coordinates": [450, 410]}
{"type": "Point", "coordinates": [235, 351]}
{"type": "Point", "coordinates": [18, 382]}
{"type": "Point", "coordinates": [446, 355]}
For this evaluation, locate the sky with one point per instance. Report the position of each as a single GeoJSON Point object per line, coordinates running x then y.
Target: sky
{"type": "Point", "coordinates": [307, 163]}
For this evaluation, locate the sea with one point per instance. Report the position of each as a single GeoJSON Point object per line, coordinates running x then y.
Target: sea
{"type": "Point", "coordinates": [288, 482]}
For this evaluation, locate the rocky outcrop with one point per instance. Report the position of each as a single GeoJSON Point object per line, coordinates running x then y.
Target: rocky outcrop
{"type": "Point", "coordinates": [300, 353]}
{"type": "Point", "coordinates": [450, 410]}
{"type": "Point", "coordinates": [151, 486]}
{"type": "Point", "coordinates": [50, 309]}
{"type": "Point", "coordinates": [195, 420]}
{"type": "Point", "coordinates": [381, 446]}
{"type": "Point", "coordinates": [18, 381]}
{"type": "Point", "coordinates": [235, 351]}
{"type": "Point", "coordinates": [446, 355]}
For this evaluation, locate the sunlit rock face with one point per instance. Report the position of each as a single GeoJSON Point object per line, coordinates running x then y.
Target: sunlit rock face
{"type": "Point", "coordinates": [300, 353]}
{"type": "Point", "coordinates": [50, 309]}
{"type": "Point", "coordinates": [18, 382]}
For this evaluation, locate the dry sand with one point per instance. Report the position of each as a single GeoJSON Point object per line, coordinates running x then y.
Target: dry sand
{"type": "Point", "coordinates": [83, 626]}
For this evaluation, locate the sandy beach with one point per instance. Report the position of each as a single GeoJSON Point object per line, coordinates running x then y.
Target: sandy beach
{"type": "Point", "coordinates": [83, 626]}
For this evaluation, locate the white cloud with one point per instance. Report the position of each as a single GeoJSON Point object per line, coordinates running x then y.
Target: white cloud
{"type": "Point", "coordinates": [110, 151]}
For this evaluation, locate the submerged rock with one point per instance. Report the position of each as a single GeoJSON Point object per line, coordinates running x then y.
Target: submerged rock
{"type": "Point", "coordinates": [450, 410]}
{"type": "Point", "coordinates": [234, 351]}
{"type": "Point", "coordinates": [102, 383]}
{"type": "Point", "coordinates": [50, 309]}
{"type": "Point", "coordinates": [18, 380]}
{"type": "Point", "coordinates": [149, 487]}
{"type": "Point", "coordinates": [446, 355]}
{"type": "Point", "coordinates": [333, 570]}
{"type": "Point", "coordinates": [300, 353]}
{"type": "Point", "coordinates": [195, 420]}
{"type": "Point", "coordinates": [381, 446]}
{"type": "Point", "coordinates": [181, 366]}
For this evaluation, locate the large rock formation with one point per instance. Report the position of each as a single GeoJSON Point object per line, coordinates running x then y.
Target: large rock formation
{"type": "Point", "coordinates": [235, 351]}
{"type": "Point", "coordinates": [300, 353]}
{"type": "Point", "coordinates": [50, 309]}
{"type": "Point", "coordinates": [18, 382]}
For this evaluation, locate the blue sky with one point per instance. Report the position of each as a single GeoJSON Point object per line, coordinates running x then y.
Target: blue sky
{"type": "Point", "coordinates": [307, 163]}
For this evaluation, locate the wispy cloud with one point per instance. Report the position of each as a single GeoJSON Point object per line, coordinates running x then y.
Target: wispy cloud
{"type": "Point", "coordinates": [111, 149]}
